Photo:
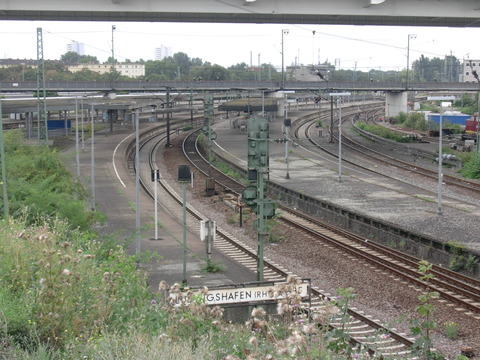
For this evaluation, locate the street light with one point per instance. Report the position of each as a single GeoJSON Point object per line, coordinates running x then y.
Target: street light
{"type": "Point", "coordinates": [339, 96]}
{"type": "Point", "coordinates": [410, 36]}
{"type": "Point", "coordinates": [284, 32]}
{"type": "Point", "coordinates": [112, 68]}
{"type": "Point", "coordinates": [440, 155]}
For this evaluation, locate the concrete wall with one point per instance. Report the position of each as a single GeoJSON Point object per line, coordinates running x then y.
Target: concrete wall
{"type": "Point", "coordinates": [395, 103]}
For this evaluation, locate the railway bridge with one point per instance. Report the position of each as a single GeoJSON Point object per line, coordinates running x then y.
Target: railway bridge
{"type": "Point", "coordinates": [451, 13]}
{"type": "Point", "coordinates": [395, 92]}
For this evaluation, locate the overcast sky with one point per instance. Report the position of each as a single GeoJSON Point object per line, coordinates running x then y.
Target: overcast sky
{"type": "Point", "coordinates": [228, 44]}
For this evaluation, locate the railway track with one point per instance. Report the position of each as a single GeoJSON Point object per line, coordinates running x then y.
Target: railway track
{"type": "Point", "coordinates": [362, 329]}
{"type": "Point", "coordinates": [381, 157]}
{"type": "Point", "coordinates": [414, 168]}
{"type": "Point", "coordinates": [462, 290]}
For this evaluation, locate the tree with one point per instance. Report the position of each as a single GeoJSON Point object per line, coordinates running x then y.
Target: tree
{"type": "Point", "coordinates": [437, 69]}
{"type": "Point", "coordinates": [209, 72]}
{"type": "Point", "coordinates": [71, 57]}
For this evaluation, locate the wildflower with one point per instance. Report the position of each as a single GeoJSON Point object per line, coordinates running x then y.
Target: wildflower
{"type": "Point", "coordinates": [258, 312]}
{"type": "Point", "coordinates": [153, 302]}
{"type": "Point", "coordinates": [309, 329]}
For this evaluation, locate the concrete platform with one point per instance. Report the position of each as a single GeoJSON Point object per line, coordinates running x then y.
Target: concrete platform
{"type": "Point", "coordinates": [385, 199]}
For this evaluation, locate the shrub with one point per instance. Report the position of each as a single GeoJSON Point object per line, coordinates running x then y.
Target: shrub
{"type": "Point", "coordinates": [65, 289]}
{"type": "Point", "coordinates": [451, 329]}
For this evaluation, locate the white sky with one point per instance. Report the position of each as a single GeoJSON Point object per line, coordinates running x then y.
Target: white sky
{"type": "Point", "coordinates": [228, 44]}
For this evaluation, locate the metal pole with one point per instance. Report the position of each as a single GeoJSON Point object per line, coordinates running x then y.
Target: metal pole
{"type": "Point", "coordinates": [284, 31]}
{"type": "Point", "coordinates": [112, 68]}
{"type": "Point", "coordinates": [286, 152]}
{"type": "Point", "coordinates": [340, 142]}
{"type": "Point", "coordinates": [209, 239]}
{"type": "Point", "coordinates": [83, 125]}
{"type": "Point", "coordinates": [137, 184]}
{"type": "Point", "coordinates": [260, 225]}
{"type": "Point", "coordinates": [168, 144]}
{"type": "Point", "coordinates": [92, 158]}
{"type": "Point", "coordinates": [184, 232]}
{"type": "Point", "coordinates": [156, 203]}
{"type": "Point", "coordinates": [283, 74]}
{"type": "Point", "coordinates": [440, 161]}
{"type": "Point", "coordinates": [77, 153]}
{"type": "Point", "coordinates": [331, 119]}
{"type": "Point", "coordinates": [4, 172]}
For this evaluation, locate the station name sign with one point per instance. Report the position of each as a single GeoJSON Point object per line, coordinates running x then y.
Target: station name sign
{"type": "Point", "coordinates": [248, 294]}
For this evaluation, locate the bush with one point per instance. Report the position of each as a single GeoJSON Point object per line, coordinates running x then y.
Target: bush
{"type": "Point", "coordinates": [40, 187]}
{"type": "Point", "coordinates": [471, 169]}
{"type": "Point", "coordinates": [65, 290]}
{"type": "Point", "coordinates": [385, 133]}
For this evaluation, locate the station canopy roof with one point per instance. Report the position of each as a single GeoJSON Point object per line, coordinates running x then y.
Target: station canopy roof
{"type": "Point", "coordinates": [250, 105]}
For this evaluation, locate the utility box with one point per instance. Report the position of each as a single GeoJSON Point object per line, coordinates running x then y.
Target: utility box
{"type": "Point", "coordinates": [210, 186]}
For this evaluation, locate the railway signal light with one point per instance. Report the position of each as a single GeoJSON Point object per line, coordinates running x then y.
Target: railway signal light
{"type": "Point", "coordinates": [208, 107]}
{"type": "Point", "coordinates": [250, 198]}
{"type": "Point", "coordinates": [257, 130]}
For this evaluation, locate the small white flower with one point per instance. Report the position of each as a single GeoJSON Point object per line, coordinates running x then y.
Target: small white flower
{"type": "Point", "coordinates": [66, 272]}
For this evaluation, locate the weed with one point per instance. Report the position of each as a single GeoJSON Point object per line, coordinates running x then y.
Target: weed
{"type": "Point", "coordinates": [451, 329]}
{"type": "Point", "coordinates": [212, 266]}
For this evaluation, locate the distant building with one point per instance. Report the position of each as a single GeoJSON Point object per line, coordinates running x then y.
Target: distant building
{"type": "Point", "coordinates": [76, 47]}
{"type": "Point", "coordinates": [6, 63]}
{"type": "Point", "coordinates": [132, 70]}
{"type": "Point", "coordinates": [470, 69]}
{"type": "Point", "coordinates": [162, 52]}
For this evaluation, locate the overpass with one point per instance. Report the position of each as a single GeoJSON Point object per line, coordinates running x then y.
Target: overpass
{"type": "Point", "coordinates": [235, 85]}
{"type": "Point", "coordinates": [452, 13]}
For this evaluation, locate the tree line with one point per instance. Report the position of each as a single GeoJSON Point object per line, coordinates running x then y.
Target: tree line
{"type": "Point", "coordinates": [181, 67]}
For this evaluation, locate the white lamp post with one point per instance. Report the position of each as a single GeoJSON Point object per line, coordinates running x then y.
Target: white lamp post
{"type": "Point", "coordinates": [284, 32]}
{"type": "Point", "coordinates": [440, 155]}
{"type": "Point", "coordinates": [339, 95]}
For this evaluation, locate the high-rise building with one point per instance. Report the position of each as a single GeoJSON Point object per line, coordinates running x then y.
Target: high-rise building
{"type": "Point", "coordinates": [471, 71]}
{"type": "Point", "coordinates": [162, 52]}
{"type": "Point", "coordinates": [76, 47]}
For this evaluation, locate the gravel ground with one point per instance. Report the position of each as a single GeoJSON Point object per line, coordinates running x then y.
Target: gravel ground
{"type": "Point", "coordinates": [378, 294]}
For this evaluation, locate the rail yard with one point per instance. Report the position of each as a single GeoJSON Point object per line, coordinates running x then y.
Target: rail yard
{"type": "Point", "coordinates": [372, 250]}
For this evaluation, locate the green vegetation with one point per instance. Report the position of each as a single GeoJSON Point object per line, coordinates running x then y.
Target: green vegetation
{"type": "Point", "coordinates": [68, 293]}
{"type": "Point", "coordinates": [471, 168]}
{"type": "Point", "coordinates": [467, 104]}
{"type": "Point", "coordinates": [385, 133]}
{"type": "Point", "coordinates": [412, 120]}
{"type": "Point", "coordinates": [212, 266]}
{"type": "Point", "coordinates": [227, 170]}
{"type": "Point", "coordinates": [451, 329]}
{"type": "Point", "coordinates": [40, 188]}
{"type": "Point", "coordinates": [459, 260]}
{"type": "Point", "coordinates": [425, 324]}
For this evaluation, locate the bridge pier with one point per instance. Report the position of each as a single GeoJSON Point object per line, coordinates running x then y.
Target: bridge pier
{"type": "Point", "coordinates": [395, 103]}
